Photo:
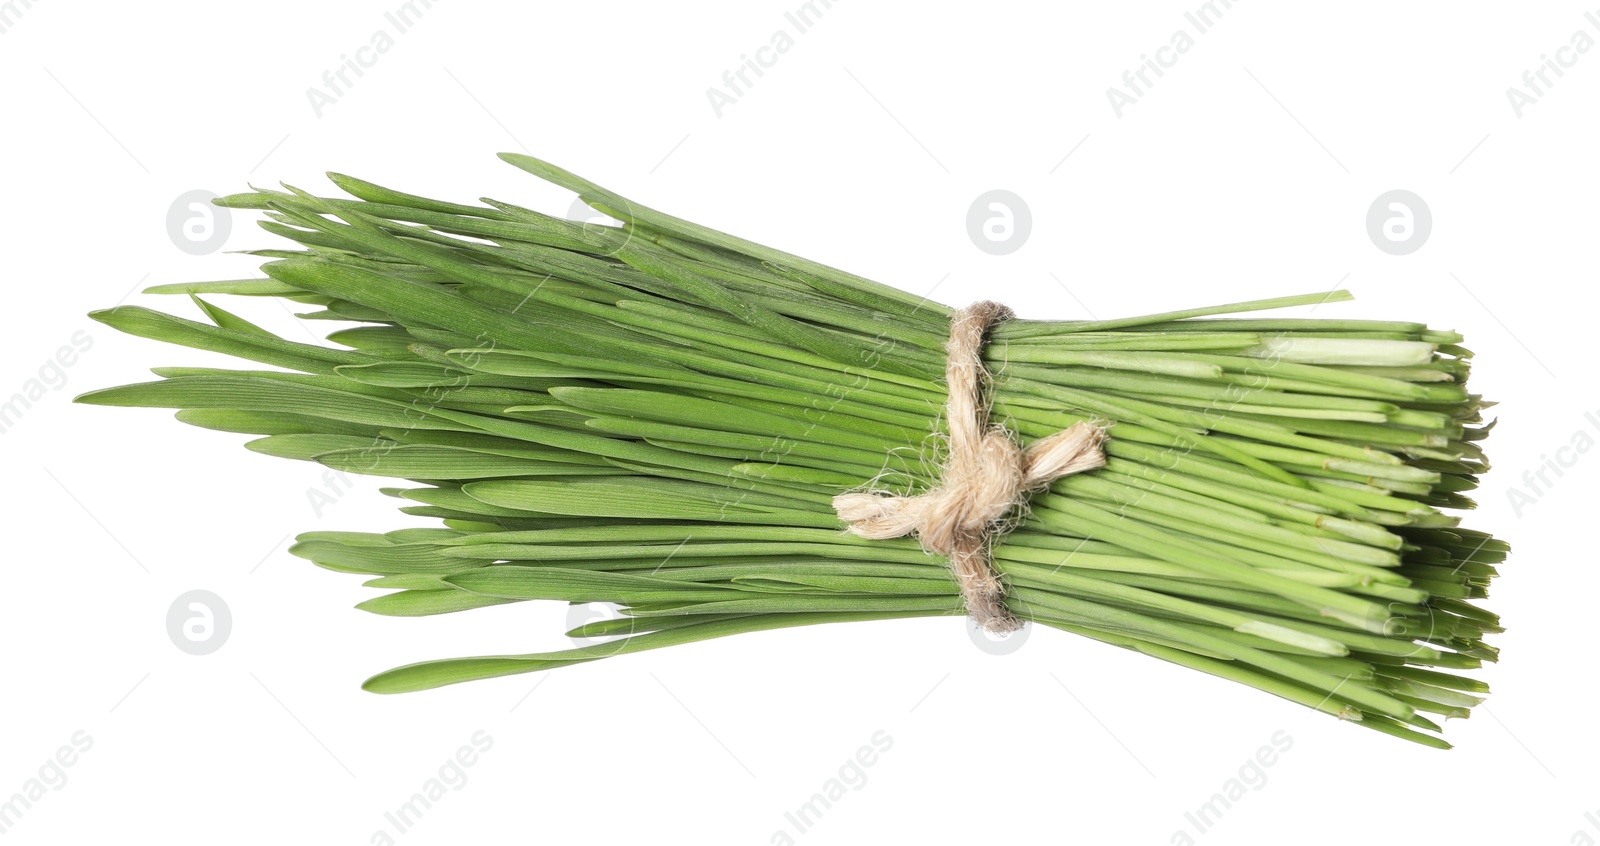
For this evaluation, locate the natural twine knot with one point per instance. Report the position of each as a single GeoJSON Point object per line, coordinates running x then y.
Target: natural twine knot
{"type": "Point", "coordinates": [984, 476]}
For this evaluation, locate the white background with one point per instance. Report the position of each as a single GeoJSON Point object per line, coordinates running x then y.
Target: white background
{"type": "Point", "coordinates": [1245, 171]}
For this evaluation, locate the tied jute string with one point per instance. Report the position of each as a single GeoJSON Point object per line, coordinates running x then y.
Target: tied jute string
{"type": "Point", "coordinates": [983, 478]}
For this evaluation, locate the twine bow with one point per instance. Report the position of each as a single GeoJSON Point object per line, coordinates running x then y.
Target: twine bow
{"type": "Point", "coordinates": [983, 477]}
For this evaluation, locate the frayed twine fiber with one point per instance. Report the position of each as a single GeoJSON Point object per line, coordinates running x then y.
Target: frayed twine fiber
{"type": "Point", "coordinates": [983, 478]}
